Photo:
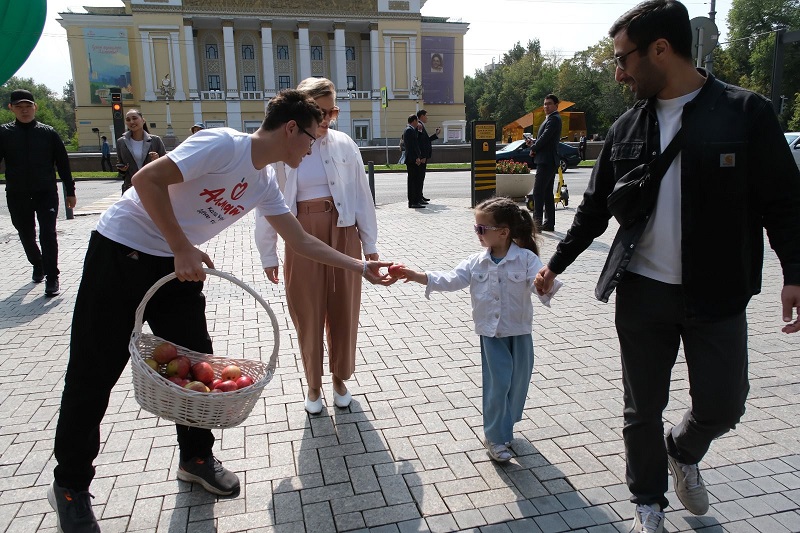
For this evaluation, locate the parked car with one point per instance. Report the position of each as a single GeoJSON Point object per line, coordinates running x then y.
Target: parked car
{"type": "Point", "coordinates": [793, 138]}
{"type": "Point", "coordinates": [519, 152]}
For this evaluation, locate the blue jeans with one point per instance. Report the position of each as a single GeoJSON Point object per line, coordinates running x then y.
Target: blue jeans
{"type": "Point", "coordinates": [507, 365]}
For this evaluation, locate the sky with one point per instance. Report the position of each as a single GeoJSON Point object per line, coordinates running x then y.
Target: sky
{"type": "Point", "coordinates": [563, 27]}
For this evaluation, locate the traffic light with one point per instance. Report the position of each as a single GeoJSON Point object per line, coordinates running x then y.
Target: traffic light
{"type": "Point", "coordinates": [117, 113]}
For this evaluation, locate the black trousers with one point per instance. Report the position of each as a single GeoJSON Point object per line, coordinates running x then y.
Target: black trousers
{"type": "Point", "coordinates": [543, 201]}
{"type": "Point", "coordinates": [651, 323]}
{"type": "Point", "coordinates": [414, 183]}
{"type": "Point", "coordinates": [115, 279]}
{"type": "Point", "coordinates": [25, 208]}
{"type": "Point", "coordinates": [423, 170]}
{"type": "Point", "coordinates": [106, 159]}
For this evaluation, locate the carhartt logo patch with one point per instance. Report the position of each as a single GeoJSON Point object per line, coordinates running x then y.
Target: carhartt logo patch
{"type": "Point", "coordinates": [727, 160]}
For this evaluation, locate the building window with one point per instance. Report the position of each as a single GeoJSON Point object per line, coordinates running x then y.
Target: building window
{"type": "Point", "coordinates": [350, 53]}
{"type": "Point", "coordinates": [210, 124]}
{"type": "Point", "coordinates": [248, 52]}
{"type": "Point", "coordinates": [213, 82]}
{"type": "Point", "coordinates": [283, 51]}
{"type": "Point", "coordinates": [316, 53]}
{"type": "Point", "coordinates": [249, 83]}
{"type": "Point", "coordinates": [284, 82]}
{"type": "Point", "coordinates": [212, 52]}
{"type": "Point", "coordinates": [251, 126]}
{"type": "Point", "coordinates": [351, 83]}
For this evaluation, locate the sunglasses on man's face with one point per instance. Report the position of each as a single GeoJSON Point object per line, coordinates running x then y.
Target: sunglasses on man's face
{"type": "Point", "coordinates": [480, 229]}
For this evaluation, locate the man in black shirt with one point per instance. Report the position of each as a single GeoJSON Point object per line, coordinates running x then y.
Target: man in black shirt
{"type": "Point", "coordinates": [30, 150]}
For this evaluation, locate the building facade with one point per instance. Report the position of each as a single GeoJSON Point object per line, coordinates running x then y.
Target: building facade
{"type": "Point", "coordinates": [220, 61]}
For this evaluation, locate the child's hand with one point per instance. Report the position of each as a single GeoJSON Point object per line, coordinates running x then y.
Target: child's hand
{"type": "Point", "coordinates": [397, 271]}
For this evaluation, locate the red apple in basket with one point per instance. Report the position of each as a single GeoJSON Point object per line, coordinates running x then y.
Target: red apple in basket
{"type": "Point", "coordinates": [244, 381]}
{"type": "Point", "coordinates": [231, 372]}
{"type": "Point", "coordinates": [214, 383]}
{"type": "Point", "coordinates": [180, 382]}
{"type": "Point", "coordinates": [196, 386]}
{"type": "Point", "coordinates": [179, 366]}
{"type": "Point", "coordinates": [165, 352]}
{"type": "Point", "coordinates": [203, 371]}
{"type": "Point", "coordinates": [226, 386]}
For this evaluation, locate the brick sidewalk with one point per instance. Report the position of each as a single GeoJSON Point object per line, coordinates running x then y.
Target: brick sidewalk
{"type": "Point", "coordinates": [407, 455]}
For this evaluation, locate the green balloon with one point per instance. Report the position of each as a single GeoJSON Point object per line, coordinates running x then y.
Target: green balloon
{"type": "Point", "coordinates": [21, 25]}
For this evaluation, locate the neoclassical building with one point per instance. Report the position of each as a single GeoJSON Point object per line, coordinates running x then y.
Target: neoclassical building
{"type": "Point", "coordinates": [220, 61]}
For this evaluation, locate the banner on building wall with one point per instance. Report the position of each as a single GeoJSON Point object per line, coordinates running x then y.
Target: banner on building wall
{"type": "Point", "coordinates": [109, 63]}
{"type": "Point", "coordinates": [438, 69]}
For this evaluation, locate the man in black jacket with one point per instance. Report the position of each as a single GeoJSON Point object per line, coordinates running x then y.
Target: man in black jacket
{"type": "Point", "coordinates": [30, 150]}
{"type": "Point", "coordinates": [413, 163]}
{"type": "Point", "coordinates": [686, 272]}
{"type": "Point", "coordinates": [425, 148]}
{"type": "Point", "coordinates": [544, 152]}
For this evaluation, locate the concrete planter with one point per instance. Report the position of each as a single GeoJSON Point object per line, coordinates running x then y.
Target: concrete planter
{"type": "Point", "coordinates": [514, 185]}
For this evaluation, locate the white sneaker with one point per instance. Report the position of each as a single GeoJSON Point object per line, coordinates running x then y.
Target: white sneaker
{"type": "Point", "coordinates": [647, 519]}
{"type": "Point", "coordinates": [689, 486]}
{"type": "Point", "coordinates": [498, 452]}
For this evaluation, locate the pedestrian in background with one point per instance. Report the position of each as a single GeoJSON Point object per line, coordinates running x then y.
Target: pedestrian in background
{"type": "Point", "coordinates": [105, 155]}
{"type": "Point", "coordinates": [500, 281]}
{"type": "Point", "coordinates": [544, 153]}
{"type": "Point", "coordinates": [329, 194]}
{"type": "Point", "coordinates": [136, 147]}
{"type": "Point", "coordinates": [31, 149]}
{"type": "Point", "coordinates": [197, 127]}
{"type": "Point", "coordinates": [685, 272]}
{"type": "Point", "coordinates": [425, 149]}
{"type": "Point", "coordinates": [413, 162]}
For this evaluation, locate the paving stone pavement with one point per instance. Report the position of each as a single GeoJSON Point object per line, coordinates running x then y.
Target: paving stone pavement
{"type": "Point", "coordinates": [406, 455]}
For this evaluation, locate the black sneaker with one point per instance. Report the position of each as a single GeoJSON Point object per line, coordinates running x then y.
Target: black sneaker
{"type": "Point", "coordinates": [73, 510]}
{"type": "Point", "coordinates": [209, 472]}
{"type": "Point", "coordinates": [51, 287]}
{"type": "Point", "coordinates": [38, 275]}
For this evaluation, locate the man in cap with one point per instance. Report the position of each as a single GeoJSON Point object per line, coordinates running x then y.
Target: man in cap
{"type": "Point", "coordinates": [30, 150]}
{"type": "Point", "coordinates": [197, 127]}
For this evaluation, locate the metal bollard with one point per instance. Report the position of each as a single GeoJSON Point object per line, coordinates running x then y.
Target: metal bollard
{"type": "Point", "coordinates": [371, 175]}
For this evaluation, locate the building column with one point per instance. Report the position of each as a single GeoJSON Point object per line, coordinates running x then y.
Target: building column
{"type": "Point", "coordinates": [340, 53]}
{"type": "Point", "coordinates": [268, 61]}
{"type": "Point", "coordinates": [303, 51]}
{"type": "Point", "coordinates": [412, 50]}
{"type": "Point", "coordinates": [231, 80]}
{"type": "Point", "coordinates": [147, 66]}
{"type": "Point", "coordinates": [191, 62]}
{"type": "Point", "coordinates": [387, 66]}
{"type": "Point", "coordinates": [374, 59]}
{"type": "Point", "coordinates": [177, 66]}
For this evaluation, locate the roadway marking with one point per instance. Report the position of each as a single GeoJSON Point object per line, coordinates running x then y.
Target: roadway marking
{"type": "Point", "coordinates": [98, 207]}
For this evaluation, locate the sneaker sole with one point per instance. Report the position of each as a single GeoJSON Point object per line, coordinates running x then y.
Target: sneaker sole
{"type": "Point", "coordinates": [183, 475]}
{"type": "Point", "coordinates": [51, 499]}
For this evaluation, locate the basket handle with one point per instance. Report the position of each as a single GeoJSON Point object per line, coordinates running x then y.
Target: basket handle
{"type": "Point", "coordinates": [139, 317]}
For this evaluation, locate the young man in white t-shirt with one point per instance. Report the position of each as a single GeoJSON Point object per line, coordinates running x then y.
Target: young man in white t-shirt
{"type": "Point", "coordinates": [177, 203]}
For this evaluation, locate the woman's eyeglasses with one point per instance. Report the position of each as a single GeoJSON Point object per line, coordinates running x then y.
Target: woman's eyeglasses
{"type": "Point", "coordinates": [313, 139]}
{"type": "Point", "coordinates": [480, 229]}
{"type": "Point", "coordinates": [330, 114]}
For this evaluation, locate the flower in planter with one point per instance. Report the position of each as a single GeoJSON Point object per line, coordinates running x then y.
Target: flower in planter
{"type": "Point", "coordinates": [509, 166]}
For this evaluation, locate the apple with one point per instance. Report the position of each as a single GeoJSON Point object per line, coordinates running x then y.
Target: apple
{"type": "Point", "coordinates": [179, 366]}
{"type": "Point", "coordinates": [226, 386]}
{"type": "Point", "coordinates": [396, 270]}
{"type": "Point", "coordinates": [231, 372]}
{"type": "Point", "coordinates": [165, 352]}
{"type": "Point", "coordinates": [180, 382]}
{"type": "Point", "coordinates": [244, 381]}
{"type": "Point", "coordinates": [214, 383]}
{"type": "Point", "coordinates": [152, 363]}
{"type": "Point", "coordinates": [196, 386]}
{"type": "Point", "coordinates": [203, 371]}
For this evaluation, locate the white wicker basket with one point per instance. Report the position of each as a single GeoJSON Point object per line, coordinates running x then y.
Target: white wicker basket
{"type": "Point", "coordinates": [190, 408]}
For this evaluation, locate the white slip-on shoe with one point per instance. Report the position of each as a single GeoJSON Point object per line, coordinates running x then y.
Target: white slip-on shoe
{"type": "Point", "coordinates": [314, 407]}
{"type": "Point", "coordinates": [342, 400]}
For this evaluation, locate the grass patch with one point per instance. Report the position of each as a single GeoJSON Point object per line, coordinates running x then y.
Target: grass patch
{"type": "Point", "coordinates": [587, 163]}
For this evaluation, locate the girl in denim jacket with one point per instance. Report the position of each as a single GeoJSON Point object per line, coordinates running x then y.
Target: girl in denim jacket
{"type": "Point", "coordinates": [500, 280]}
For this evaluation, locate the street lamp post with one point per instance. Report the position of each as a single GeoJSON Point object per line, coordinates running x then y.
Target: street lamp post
{"type": "Point", "coordinates": [417, 89]}
{"type": "Point", "coordinates": [168, 91]}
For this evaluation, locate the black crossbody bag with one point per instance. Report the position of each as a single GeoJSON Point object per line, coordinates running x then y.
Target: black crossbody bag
{"type": "Point", "coordinates": [634, 195]}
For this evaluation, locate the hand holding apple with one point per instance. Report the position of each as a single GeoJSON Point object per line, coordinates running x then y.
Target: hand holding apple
{"type": "Point", "coordinates": [397, 271]}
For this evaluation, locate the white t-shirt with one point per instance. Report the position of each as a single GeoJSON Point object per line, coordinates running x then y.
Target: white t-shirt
{"type": "Point", "coordinates": [658, 254]}
{"type": "Point", "coordinates": [219, 186]}
{"type": "Point", "coordinates": [312, 181]}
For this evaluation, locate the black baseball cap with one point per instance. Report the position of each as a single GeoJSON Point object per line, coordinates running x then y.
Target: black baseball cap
{"type": "Point", "coordinates": [21, 95]}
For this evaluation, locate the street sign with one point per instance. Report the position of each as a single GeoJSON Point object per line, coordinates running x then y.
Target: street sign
{"type": "Point", "coordinates": [705, 36]}
{"type": "Point", "coordinates": [384, 98]}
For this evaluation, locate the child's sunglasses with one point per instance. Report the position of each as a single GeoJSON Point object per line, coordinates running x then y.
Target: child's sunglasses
{"type": "Point", "coordinates": [480, 229]}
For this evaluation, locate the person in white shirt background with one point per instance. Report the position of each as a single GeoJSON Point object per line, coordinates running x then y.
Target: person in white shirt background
{"type": "Point", "coordinates": [330, 195]}
{"type": "Point", "coordinates": [500, 280]}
